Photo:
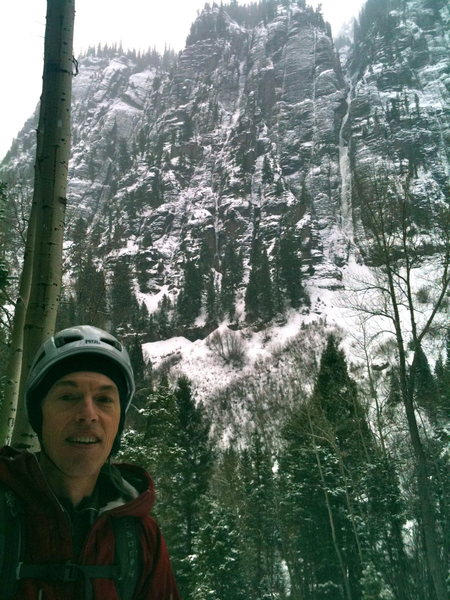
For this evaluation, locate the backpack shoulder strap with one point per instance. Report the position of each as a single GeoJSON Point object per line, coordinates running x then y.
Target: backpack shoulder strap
{"type": "Point", "coordinates": [10, 540]}
{"type": "Point", "coordinates": [128, 555]}
{"type": "Point", "coordinates": [128, 552]}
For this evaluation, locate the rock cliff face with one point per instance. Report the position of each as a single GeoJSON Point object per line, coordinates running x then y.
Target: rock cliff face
{"type": "Point", "coordinates": [255, 129]}
{"type": "Point", "coordinates": [400, 102]}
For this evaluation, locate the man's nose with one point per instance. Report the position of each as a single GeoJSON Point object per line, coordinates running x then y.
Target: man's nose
{"type": "Point", "coordinates": [87, 409]}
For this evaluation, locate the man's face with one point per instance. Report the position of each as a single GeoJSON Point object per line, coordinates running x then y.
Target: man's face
{"type": "Point", "coordinates": [81, 414]}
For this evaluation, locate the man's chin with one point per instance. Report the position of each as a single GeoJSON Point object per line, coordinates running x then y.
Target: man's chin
{"type": "Point", "coordinates": [76, 461]}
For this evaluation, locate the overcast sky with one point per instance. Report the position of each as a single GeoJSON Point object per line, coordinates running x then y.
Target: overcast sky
{"type": "Point", "coordinates": [136, 23]}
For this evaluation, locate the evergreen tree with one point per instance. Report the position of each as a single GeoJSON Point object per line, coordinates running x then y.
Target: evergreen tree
{"type": "Point", "coordinates": [327, 441]}
{"type": "Point", "coordinates": [124, 156]}
{"type": "Point", "coordinates": [442, 373]}
{"type": "Point", "coordinates": [303, 492]}
{"type": "Point", "coordinates": [267, 173]}
{"type": "Point", "coordinates": [189, 302]}
{"type": "Point", "coordinates": [124, 306]}
{"type": "Point", "coordinates": [137, 361]}
{"type": "Point", "coordinates": [258, 524]}
{"type": "Point", "coordinates": [175, 448]}
{"type": "Point", "coordinates": [67, 312]}
{"type": "Point", "coordinates": [191, 484]}
{"type": "Point", "coordinates": [232, 273]}
{"type": "Point", "coordinates": [206, 257]}
{"type": "Point", "coordinates": [394, 397]}
{"type": "Point", "coordinates": [335, 393]}
{"type": "Point", "coordinates": [279, 294]}
{"type": "Point", "coordinates": [289, 265]}
{"type": "Point", "coordinates": [77, 249]}
{"type": "Point", "coordinates": [265, 293]}
{"type": "Point", "coordinates": [426, 392]}
{"type": "Point", "coordinates": [90, 293]}
{"type": "Point", "coordinates": [384, 516]}
{"type": "Point", "coordinates": [155, 446]}
{"type": "Point", "coordinates": [150, 331]}
{"type": "Point", "coordinates": [162, 318]}
{"type": "Point", "coordinates": [188, 128]}
{"type": "Point", "coordinates": [194, 441]}
{"type": "Point", "coordinates": [143, 321]}
{"type": "Point", "coordinates": [219, 571]}
{"type": "Point", "coordinates": [258, 296]}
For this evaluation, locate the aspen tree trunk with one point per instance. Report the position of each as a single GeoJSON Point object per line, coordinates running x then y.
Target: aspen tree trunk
{"type": "Point", "coordinates": [14, 367]}
{"type": "Point", "coordinates": [49, 198]}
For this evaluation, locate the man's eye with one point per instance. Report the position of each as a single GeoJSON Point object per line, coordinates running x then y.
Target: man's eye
{"type": "Point", "coordinates": [67, 397]}
{"type": "Point", "coordinates": [105, 400]}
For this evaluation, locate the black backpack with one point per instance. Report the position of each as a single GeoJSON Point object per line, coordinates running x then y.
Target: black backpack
{"type": "Point", "coordinates": [126, 572]}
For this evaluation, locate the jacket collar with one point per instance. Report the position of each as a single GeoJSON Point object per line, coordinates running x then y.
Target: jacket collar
{"type": "Point", "coordinates": [129, 489]}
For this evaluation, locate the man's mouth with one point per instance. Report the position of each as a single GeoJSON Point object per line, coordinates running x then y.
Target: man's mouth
{"type": "Point", "coordinates": [83, 440]}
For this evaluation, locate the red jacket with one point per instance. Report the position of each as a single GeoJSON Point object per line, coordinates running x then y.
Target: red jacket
{"type": "Point", "coordinates": [48, 538]}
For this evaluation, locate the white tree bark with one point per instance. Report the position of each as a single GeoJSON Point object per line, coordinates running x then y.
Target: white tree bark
{"type": "Point", "coordinates": [43, 275]}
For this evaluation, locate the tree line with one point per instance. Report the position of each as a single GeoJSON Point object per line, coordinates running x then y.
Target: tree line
{"type": "Point", "coordinates": [105, 293]}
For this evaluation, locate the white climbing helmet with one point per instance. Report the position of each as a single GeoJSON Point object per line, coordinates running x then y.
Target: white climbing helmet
{"type": "Point", "coordinates": [78, 348]}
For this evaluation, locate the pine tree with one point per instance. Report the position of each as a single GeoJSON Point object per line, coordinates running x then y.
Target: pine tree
{"type": "Point", "coordinates": [267, 173]}
{"type": "Point", "coordinates": [232, 273]}
{"type": "Point", "coordinates": [266, 309]}
{"type": "Point", "coordinates": [77, 250]}
{"type": "Point", "coordinates": [426, 392]}
{"type": "Point", "coordinates": [188, 485]}
{"type": "Point", "coordinates": [313, 567]}
{"type": "Point", "coordinates": [442, 373]}
{"type": "Point", "coordinates": [174, 446]}
{"type": "Point", "coordinates": [258, 296]}
{"type": "Point", "coordinates": [194, 441]}
{"type": "Point", "coordinates": [90, 293]}
{"type": "Point", "coordinates": [137, 361]}
{"type": "Point", "coordinates": [219, 566]}
{"type": "Point", "coordinates": [124, 306]}
{"type": "Point", "coordinates": [67, 313]}
{"type": "Point", "coordinates": [336, 395]}
{"type": "Point", "coordinates": [162, 318]}
{"type": "Point", "coordinates": [188, 128]}
{"type": "Point", "coordinates": [279, 294]}
{"type": "Point", "coordinates": [384, 517]}
{"type": "Point", "coordinates": [143, 321]}
{"type": "Point", "coordinates": [327, 445]}
{"type": "Point", "coordinates": [252, 291]}
{"type": "Point", "coordinates": [206, 257]}
{"type": "Point", "coordinates": [258, 523]}
{"type": "Point", "coordinates": [189, 301]}
{"type": "Point", "coordinates": [289, 265]}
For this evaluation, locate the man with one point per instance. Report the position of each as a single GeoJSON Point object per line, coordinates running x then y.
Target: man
{"type": "Point", "coordinates": [71, 500]}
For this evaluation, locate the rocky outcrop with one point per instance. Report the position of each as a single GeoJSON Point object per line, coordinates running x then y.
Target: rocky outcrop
{"type": "Point", "coordinates": [243, 131]}
{"type": "Point", "coordinates": [255, 127]}
{"type": "Point", "coordinates": [400, 106]}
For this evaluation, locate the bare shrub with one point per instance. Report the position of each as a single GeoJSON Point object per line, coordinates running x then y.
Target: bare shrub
{"type": "Point", "coordinates": [423, 295]}
{"type": "Point", "coordinates": [229, 346]}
